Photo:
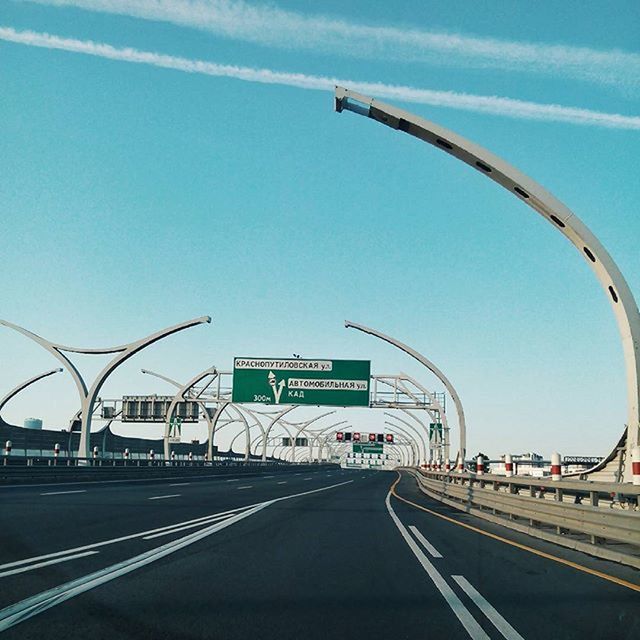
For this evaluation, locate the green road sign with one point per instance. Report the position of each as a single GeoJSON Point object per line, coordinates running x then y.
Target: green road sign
{"type": "Point", "coordinates": [335, 383]}
{"type": "Point", "coordinates": [368, 448]}
{"type": "Point", "coordinates": [435, 427]}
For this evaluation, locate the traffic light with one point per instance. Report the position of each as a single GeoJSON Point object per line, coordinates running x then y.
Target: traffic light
{"type": "Point", "coordinates": [380, 437]}
{"type": "Point", "coordinates": [347, 436]}
{"type": "Point", "coordinates": [339, 436]}
{"type": "Point", "coordinates": [356, 437]}
{"type": "Point", "coordinates": [372, 437]}
{"type": "Point", "coordinates": [389, 437]}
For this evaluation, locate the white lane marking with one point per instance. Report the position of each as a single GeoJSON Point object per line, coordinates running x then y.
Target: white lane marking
{"type": "Point", "coordinates": [462, 613]}
{"type": "Point", "coordinates": [62, 493]}
{"type": "Point", "coordinates": [234, 480]}
{"type": "Point", "coordinates": [120, 539]}
{"type": "Point", "coordinates": [46, 564]}
{"type": "Point", "coordinates": [25, 609]}
{"type": "Point", "coordinates": [307, 478]}
{"type": "Point", "coordinates": [496, 619]}
{"type": "Point", "coordinates": [173, 495]}
{"type": "Point", "coordinates": [179, 484]}
{"type": "Point", "coordinates": [185, 527]}
{"type": "Point", "coordinates": [249, 486]}
{"type": "Point", "coordinates": [425, 543]}
{"type": "Point", "coordinates": [266, 477]}
{"type": "Point", "coordinates": [282, 482]}
{"type": "Point", "coordinates": [216, 476]}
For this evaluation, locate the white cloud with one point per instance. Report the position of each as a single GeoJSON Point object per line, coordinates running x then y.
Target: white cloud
{"type": "Point", "coordinates": [468, 102]}
{"type": "Point", "coordinates": [271, 26]}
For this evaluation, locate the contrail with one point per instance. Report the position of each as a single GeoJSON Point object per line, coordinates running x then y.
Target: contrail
{"type": "Point", "coordinates": [484, 104]}
{"type": "Point", "coordinates": [275, 27]}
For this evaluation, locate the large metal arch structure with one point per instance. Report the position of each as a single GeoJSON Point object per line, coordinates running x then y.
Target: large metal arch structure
{"type": "Point", "coordinates": [277, 418]}
{"type": "Point", "coordinates": [561, 218]}
{"type": "Point", "coordinates": [27, 383]}
{"type": "Point", "coordinates": [88, 395]}
{"type": "Point", "coordinates": [413, 443]}
{"type": "Point", "coordinates": [425, 446]}
{"type": "Point", "coordinates": [181, 395]}
{"type": "Point", "coordinates": [436, 412]}
{"type": "Point", "coordinates": [462, 425]}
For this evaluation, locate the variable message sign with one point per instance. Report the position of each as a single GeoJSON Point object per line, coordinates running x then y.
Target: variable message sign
{"type": "Point", "coordinates": [335, 383]}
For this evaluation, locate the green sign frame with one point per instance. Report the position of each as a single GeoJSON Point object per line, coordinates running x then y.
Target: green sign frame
{"type": "Point", "coordinates": [332, 383]}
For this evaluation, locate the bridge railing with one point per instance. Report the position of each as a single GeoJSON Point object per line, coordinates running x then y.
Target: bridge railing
{"type": "Point", "coordinates": [598, 518]}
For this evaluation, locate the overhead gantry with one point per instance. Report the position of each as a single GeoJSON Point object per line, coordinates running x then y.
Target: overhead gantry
{"type": "Point", "coordinates": [88, 395]}
{"type": "Point", "coordinates": [561, 218]}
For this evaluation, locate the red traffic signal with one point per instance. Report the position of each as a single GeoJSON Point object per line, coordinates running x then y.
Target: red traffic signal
{"type": "Point", "coordinates": [356, 437]}
{"type": "Point", "coordinates": [388, 437]}
{"type": "Point", "coordinates": [372, 437]}
{"type": "Point", "coordinates": [339, 436]}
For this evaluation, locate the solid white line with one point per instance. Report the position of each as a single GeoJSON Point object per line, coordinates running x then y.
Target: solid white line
{"type": "Point", "coordinates": [234, 480]}
{"type": "Point", "coordinates": [425, 543]}
{"type": "Point", "coordinates": [62, 493]}
{"type": "Point", "coordinates": [179, 484]}
{"type": "Point", "coordinates": [462, 613]}
{"type": "Point", "coordinates": [249, 486]}
{"type": "Point", "coordinates": [120, 539]}
{"type": "Point", "coordinates": [185, 527]}
{"type": "Point", "coordinates": [266, 477]}
{"type": "Point", "coordinates": [307, 478]}
{"type": "Point", "coordinates": [282, 482]}
{"type": "Point", "coordinates": [25, 609]}
{"type": "Point", "coordinates": [496, 619]}
{"type": "Point", "coordinates": [173, 495]}
{"type": "Point", "coordinates": [47, 563]}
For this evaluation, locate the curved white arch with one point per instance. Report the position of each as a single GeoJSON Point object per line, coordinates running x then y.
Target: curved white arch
{"type": "Point", "coordinates": [462, 424]}
{"type": "Point", "coordinates": [180, 396]}
{"type": "Point", "coordinates": [27, 383]}
{"type": "Point", "coordinates": [562, 219]}
{"type": "Point", "coordinates": [88, 396]}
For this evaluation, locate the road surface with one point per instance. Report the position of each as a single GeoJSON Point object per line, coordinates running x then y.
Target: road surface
{"type": "Point", "coordinates": [324, 554]}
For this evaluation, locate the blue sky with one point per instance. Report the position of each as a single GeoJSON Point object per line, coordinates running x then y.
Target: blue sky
{"type": "Point", "coordinates": [136, 196]}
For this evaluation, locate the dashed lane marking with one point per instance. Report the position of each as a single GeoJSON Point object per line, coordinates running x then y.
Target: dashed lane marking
{"type": "Point", "coordinates": [518, 545]}
{"type": "Point", "coordinates": [62, 493]}
{"type": "Point", "coordinates": [46, 564]}
{"type": "Point", "coordinates": [494, 617]}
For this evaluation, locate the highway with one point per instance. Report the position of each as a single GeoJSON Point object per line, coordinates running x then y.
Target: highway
{"type": "Point", "coordinates": [319, 554]}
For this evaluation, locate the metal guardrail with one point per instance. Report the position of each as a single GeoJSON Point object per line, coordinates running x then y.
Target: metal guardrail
{"type": "Point", "coordinates": [599, 518]}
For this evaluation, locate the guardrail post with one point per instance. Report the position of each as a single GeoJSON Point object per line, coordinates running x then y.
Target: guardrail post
{"type": "Point", "coordinates": [151, 457]}
{"type": "Point", "coordinates": [95, 456]}
{"type": "Point", "coordinates": [173, 458]}
{"type": "Point", "coordinates": [556, 462]}
{"type": "Point", "coordinates": [126, 457]}
{"type": "Point", "coordinates": [7, 450]}
{"type": "Point", "coordinates": [56, 453]}
{"type": "Point", "coordinates": [479, 465]}
{"type": "Point", "coordinates": [508, 465]}
{"type": "Point", "coordinates": [190, 458]}
{"type": "Point", "coordinates": [635, 465]}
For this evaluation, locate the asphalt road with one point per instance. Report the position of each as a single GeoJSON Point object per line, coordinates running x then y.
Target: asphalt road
{"type": "Point", "coordinates": [314, 555]}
